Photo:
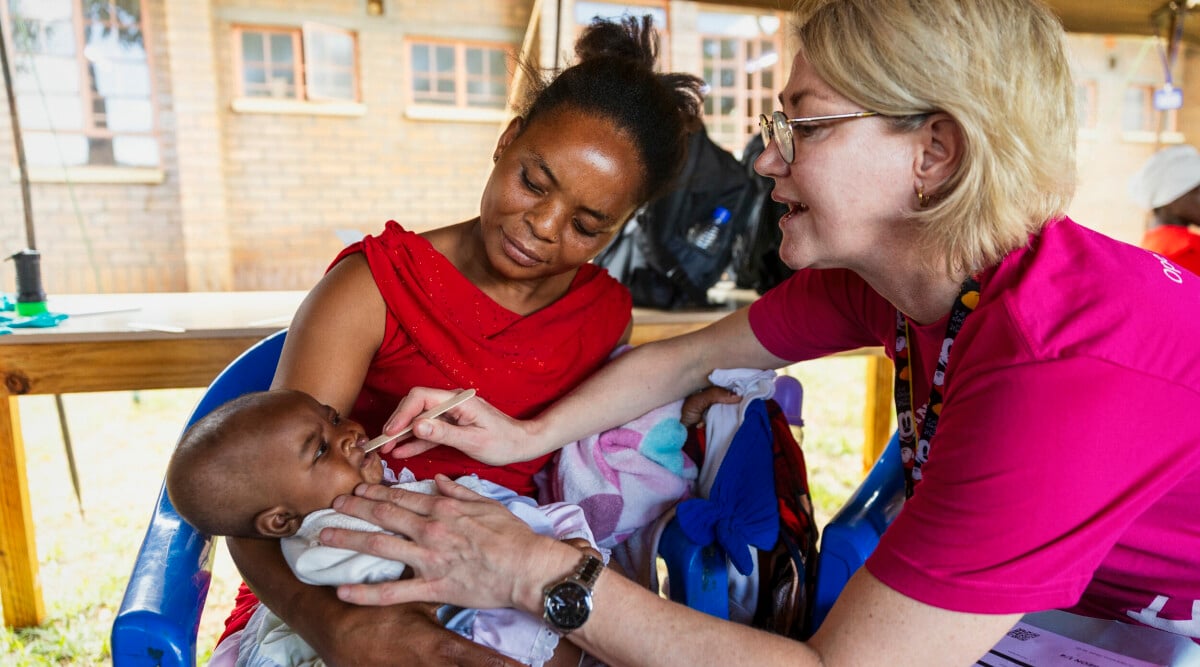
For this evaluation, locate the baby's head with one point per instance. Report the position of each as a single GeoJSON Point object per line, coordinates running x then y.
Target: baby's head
{"type": "Point", "coordinates": [255, 466]}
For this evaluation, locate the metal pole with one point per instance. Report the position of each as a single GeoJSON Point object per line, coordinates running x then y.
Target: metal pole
{"type": "Point", "coordinates": [19, 144]}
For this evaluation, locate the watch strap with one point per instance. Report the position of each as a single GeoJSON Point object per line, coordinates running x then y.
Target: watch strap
{"type": "Point", "coordinates": [588, 571]}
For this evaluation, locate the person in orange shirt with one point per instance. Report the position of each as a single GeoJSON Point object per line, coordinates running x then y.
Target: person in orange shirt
{"type": "Point", "coordinates": [1169, 185]}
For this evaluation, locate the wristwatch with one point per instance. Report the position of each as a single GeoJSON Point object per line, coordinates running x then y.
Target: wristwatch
{"type": "Point", "coordinates": [569, 602]}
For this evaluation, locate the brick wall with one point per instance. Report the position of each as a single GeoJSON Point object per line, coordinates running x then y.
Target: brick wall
{"type": "Point", "coordinates": [294, 179]}
{"type": "Point", "coordinates": [252, 200]}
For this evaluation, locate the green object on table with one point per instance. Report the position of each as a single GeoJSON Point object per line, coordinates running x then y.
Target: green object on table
{"type": "Point", "coordinates": [30, 308]}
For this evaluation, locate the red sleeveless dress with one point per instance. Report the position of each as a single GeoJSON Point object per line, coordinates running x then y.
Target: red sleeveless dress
{"type": "Point", "coordinates": [442, 331]}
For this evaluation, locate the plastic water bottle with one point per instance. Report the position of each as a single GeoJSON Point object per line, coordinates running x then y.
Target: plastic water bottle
{"type": "Point", "coordinates": [704, 235]}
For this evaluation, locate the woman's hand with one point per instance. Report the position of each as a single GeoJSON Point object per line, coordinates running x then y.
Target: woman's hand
{"type": "Point", "coordinates": [475, 428]}
{"type": "Point", "coordinates": [464, 549]}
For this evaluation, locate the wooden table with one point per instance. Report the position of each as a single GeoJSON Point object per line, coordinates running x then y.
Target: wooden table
{"type": "Point", "coordinates": [127, 342]}
{"type": "Point", "coordinates": [123, 342]}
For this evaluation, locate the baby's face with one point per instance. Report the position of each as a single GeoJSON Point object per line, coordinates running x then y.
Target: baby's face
{"type": "Point", "coordinates": [317, 455]}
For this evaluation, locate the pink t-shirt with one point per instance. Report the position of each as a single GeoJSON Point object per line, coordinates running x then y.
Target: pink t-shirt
{"type": "Point", "coordinates": [1065, 472]}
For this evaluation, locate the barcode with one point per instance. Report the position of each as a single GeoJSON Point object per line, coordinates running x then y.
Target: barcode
{"type": "Point", "coordinates": [1022, 635]}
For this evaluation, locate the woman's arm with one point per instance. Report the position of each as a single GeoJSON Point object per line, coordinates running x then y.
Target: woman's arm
{"type": "Point", "coordinates": [336, 332]}
{"type": "Point", "coordinates": [470, 553]}
{"type": "Point", "coordinates": [648, 376]}
{"type": "Point", "coordinates": [328, 350]}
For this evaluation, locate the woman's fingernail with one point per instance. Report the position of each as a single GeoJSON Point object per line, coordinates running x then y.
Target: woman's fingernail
{"type": "Point", "coordinates": [423, 429]}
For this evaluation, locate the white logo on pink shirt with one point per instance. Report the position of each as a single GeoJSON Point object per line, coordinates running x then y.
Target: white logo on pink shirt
{"type": "Point", "coordinates": [1169, 269]}
{"type": "Point", "coordinates": [1186, 627]}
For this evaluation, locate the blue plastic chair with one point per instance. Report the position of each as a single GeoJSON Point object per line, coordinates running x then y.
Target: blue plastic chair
{"type": "Point", "coordinates": [160, 614]}
{"type": "Point", "coordinates": [852, 533]}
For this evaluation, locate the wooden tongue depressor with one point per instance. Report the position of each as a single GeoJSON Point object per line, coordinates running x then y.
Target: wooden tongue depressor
{"type": "Point", "coordinates": [432, 413]}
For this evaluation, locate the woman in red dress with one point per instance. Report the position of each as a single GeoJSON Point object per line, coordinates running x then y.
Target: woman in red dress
{"type": "Point", "coordinates": [505, 303]}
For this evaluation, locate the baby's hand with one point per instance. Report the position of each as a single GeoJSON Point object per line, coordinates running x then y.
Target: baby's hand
{"type": "Point", "coordinates": [697, 404]}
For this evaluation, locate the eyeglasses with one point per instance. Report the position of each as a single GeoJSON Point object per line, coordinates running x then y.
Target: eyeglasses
{"type": "Point", "coordinates": [779, 127]}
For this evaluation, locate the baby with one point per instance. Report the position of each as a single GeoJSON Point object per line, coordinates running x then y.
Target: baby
{"type": "Point", "coordinates": [269, 464]}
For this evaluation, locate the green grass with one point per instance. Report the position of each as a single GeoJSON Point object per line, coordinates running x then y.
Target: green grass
{"type": "Point", "coordinates": [122, 441]}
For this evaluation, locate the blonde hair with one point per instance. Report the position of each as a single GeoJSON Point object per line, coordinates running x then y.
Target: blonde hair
{"type": "Point", "coordinates": [999, 68]}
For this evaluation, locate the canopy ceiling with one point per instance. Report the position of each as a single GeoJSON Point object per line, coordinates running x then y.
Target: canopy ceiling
{"type": "Point", "coordinates": [1131, 17]}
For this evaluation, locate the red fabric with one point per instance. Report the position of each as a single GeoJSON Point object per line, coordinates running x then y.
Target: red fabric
{"type": "Point", "coordinates": [442, 331]}
{"type": "Point", "coordinates": [1178, 244]}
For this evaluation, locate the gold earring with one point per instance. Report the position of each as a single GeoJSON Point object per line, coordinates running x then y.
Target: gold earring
{"type": "Point", "coordinates": [495, 158]}
{"type": "Point", "coordinates": [922, 200]}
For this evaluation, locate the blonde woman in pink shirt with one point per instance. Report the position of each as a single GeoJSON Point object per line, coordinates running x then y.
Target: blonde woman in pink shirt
{"type": "Point", "coordinates": [1049, 375]}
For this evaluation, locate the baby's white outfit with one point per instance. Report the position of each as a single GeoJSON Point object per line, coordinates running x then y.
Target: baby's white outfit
{"type": "Point", "coordinates": [267, 641]}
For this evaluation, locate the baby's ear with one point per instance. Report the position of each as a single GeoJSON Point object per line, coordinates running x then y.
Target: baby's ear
{"type": "Point", "coordinates": [277, 521]}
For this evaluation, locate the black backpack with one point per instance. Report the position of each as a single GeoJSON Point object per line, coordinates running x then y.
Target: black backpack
{"type": "Point", "coordinates": [755, 262]}
{"type": "Point", "coordinates": [652, 255]}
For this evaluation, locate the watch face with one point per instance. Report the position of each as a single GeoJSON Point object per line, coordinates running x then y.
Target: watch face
{"type": "Point", "coordinates": [568, 605]}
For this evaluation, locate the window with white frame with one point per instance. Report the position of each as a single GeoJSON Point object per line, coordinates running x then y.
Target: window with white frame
{"type": "Point", "coordinates": [310, 63]}
{"type": "Point", "coordinates": [1138, 113]}
{"type": "Point", "coordinates": [465, 75]}
{"type": "Point", "coordinates": [81, 77]}
{"type": "Point", "coordinates": [743, 70]}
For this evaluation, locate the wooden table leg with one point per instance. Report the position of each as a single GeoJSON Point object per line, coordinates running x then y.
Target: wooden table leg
{"type": "Point", "coordinates": [20, 594]}
{"type": "Point", "coordinates": [877, 414]}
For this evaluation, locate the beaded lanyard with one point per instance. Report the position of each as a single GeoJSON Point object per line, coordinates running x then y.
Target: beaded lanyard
{"type": "Point", "coordinates": [914, 445]}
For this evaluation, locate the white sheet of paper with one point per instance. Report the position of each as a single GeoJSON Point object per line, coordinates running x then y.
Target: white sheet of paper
{"type": "Point", "coordinates": [1027, 645]}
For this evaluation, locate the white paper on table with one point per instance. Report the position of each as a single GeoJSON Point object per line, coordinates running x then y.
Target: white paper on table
{"type": "Point", "coordinates": [1030, 646]}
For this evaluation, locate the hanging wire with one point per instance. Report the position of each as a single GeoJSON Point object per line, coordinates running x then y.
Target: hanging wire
{"type": "Point", "coordinates": [19, 145]}
{"type": "Point", "coordinates": [62, 161]}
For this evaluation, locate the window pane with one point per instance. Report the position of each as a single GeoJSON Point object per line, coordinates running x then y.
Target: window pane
{"type": "Point", "coordinates": [474, 61]}
{"type": "Point", "coordinates": [129, 11]}
{"type": "Point", "coordinates": [53, 112]}
{"type": "Point", "coordinates": [131, 80]}
{"type": "Point", "coordinates": [341, 50]}
{"type": "Point", "coordinates": [422, 84]}
{"type": "Point", "coordinates": [281, 49]}
{"type": "Point", "coordinates": [40, 10]}
{"type": "Point", "coordinates": [419, 57]}
{"type": "Point", "coordinates": [49, 150]}
{"type": "Point", "coordinates": [254, 75]}
{"type": "Point", "coordinates": [497, 63]}
{"type": "Point", "coordinates": [58, 38]}
{"type": "Point", "coordinates": [283, 81]}
{"type": "Point", "coordinates": [445, 58]}
{"type": "Point", "coordinates": [129, 115]}
{"type": "Point", "coordinates": [252, 47]}
{"type": "Point", "coordinates": [135, 151]}
{"type": "Point", "coordinates": [38, 75]}
{"type": "Point", "coordinates": [329, 58]}
{"type": "Point", "coordinates": [1133, 110]}
{"type": "Point", "coordinates": [445, 86]}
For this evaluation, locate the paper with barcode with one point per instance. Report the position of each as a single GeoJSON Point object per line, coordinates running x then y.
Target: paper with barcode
{"type": "Point", "coordinates": [1030, 646]}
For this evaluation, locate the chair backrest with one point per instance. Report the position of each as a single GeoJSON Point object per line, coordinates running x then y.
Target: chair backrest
{"type": "Point", "coordinates": [852, 533]}
{"type": "Point", "coordinates": [159, 616]}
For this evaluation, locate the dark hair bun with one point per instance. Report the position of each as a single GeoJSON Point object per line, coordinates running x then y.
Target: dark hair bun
{"type": "Point", "coordinates": [632, 38]}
